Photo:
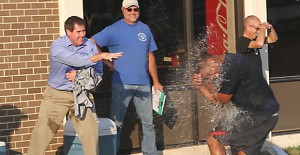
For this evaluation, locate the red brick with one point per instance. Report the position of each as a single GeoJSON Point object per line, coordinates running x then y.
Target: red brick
{"type": "Point", "coordinates": [31, 12]}
{"type": "Point", "coordinates": [38, 18]}
{"type": "Point", "coordinates": [2, 86]}
{"type": "Point", "coordinates": [27, 97]}
{"type": "Point", "coordinates": [18, 39]}
{"type": "Point", "coordinates": [38, 6]}
{"type": "Point", "coordinates": [41, 83]}
{"type": "Point", "coordinates": [33, 25]}
{"type": "Point", "coordinates": [21, 117]}
{"type": "Point", "coordinates": [33, 116]}
{"type": "Point", "coordinates": [23, 6]}
{"type": "Point", "coordinates": [26, 71]}
{"type": "Point", "coordinates": [33, 77]}
{"type": "Point", "coordinates": [20, 105]}
{"type": "Point", "coordinates": [38, 96]}
{"type": "Point", "coordinates": [17, 12]}
{"type": "Point", "coordinates": [25, 32]}
{"type": "Point", "coordinates": [21, 131]}
{"type": "Point", "coordinates": [19, 91]}
{"type": "Point", "coordinates": [26, 58]}
{"type": "Point", "coordinates": [45, 50]}
{"type": "Point", "coordinates": [18, 52]}
{"type": "Point", "coordinates": [33, 51]}
{"type": "Point", "coordinates": [45, 11]}
{"type": "Point", "coordinates": [12, 98]}
{"type": "Point", "coordinates": [11, 72]}
{"type": "Point", "coordinates": [18, 65]}
{"type": "Point", "coordinates": [28, 136]}
{"type": "Point", "coordinates": [11, 145]}
{"type": "Point", "coordinates": [40, 57]}
{"type": "Point", "coordinates": [47, 37]}
{"type": "Point", "coordinates": [19, 78]}
{"type": "Point", "coordinates": [28, 110]}
{"type": "Point", "coordinates": [5, 79]}
{"type": "Point", "coordinates": [53, 18]}
{"type": "Point", "coordinates": [24, 19]}
{"type": "Point", "coordinates": [15, 138]}
{"type": "Point", "coordinates": [45, 76]}
{"type": "Point", "coordinates": [39, 31]}
{"type": "Point", "coordinates": [34, 90]}
{"type": "Point", "coordinates": [52, 5]}
{"type": "Point", "coordinates": [45, 63]}
{"type": "Point", "coordinates": [26, 45]}
{"type": "Point", "coordinates": [52, 30]}
{"type": "Point", "coordinates": [10, 19]}
{"type": "Point", "coordinates": [4, 13]}
{"type": "Point", "coordinates": [39, 44]}
{"type": "Point", "coordinates": [34, 104]}
{"type": "Point", "coordinates": [12, 85]}
{"type": "Point", "coordinates": [9, 6]}
{"type": "Point", "coordinates": [33, 38]}
{"type": "Point", "coordinates": [5, 53]}
{"type": "Point", "coordinates": [12, 59]}
{"type": "Point", "coordinates": [5, 93]}
{"type": "Point", "coordinates": [5, 39]}
{"type": "Point", "coordinates": [40, 70]}
{"type": "Point", "coordinates": [17, 25]}
{"type": "Point", "coordinates": [11, 46]}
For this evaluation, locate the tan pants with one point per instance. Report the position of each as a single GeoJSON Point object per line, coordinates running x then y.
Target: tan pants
{"type": "Point", "coordinates": [55, 105]}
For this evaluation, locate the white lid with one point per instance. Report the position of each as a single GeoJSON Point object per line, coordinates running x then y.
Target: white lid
{"type": "Point", "coordinates": [105, 127]}
{"type": "Point", "coordinates": [2, 143]}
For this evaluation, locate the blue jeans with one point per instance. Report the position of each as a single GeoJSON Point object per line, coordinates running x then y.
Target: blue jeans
{"type": "Point", "coordinates": [141, 95]}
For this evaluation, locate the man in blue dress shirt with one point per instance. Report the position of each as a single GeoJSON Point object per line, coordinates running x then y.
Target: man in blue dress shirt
{"type": "Point", "coordinates": [68, 53]}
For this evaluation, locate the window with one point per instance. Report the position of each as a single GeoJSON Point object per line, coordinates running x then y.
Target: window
{"type": "Point", "coordinates": [284, 54]}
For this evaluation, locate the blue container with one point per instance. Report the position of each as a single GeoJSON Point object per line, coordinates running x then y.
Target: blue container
{"type": "Point", "coordinates": [2, 148]}
{"type": "Point", "coordinates": [107, 138]}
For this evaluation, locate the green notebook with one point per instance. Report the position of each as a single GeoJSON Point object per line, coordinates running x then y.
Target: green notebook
{"type": "Point", "coordinates": [158, 101]}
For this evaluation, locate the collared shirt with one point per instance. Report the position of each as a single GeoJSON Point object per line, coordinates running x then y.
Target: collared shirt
{"type": "Point", "coordinates": [64, 57]}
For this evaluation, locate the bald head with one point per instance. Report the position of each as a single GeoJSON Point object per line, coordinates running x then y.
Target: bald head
{"type": "Point", "coordinates": [251, 20]}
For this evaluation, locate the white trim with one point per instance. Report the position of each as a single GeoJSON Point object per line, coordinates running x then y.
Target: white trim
{"type": "Point", "coordinates": [69, 8]}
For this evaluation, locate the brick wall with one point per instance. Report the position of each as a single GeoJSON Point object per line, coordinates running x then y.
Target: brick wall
{"type": "Point", "coordinates": [27, 29]}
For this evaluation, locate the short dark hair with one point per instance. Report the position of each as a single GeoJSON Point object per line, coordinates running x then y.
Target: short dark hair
{"type": "Point", "coordinates": [71, 21]}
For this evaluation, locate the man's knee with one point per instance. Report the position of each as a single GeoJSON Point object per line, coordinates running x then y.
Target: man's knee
{"type": "Point", "coordinates": [212, 141]}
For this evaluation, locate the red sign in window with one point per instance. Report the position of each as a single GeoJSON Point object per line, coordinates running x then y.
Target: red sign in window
{"type": "Point", "coordinates": [216, 24]}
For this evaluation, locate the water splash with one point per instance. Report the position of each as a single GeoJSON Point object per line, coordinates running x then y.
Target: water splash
{"type": "Point", "coordinates": [225, 116]}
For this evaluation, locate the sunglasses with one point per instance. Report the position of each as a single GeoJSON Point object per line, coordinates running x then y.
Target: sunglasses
{"type": "Point", "coordinates": [256, 28]}
{"type": "Point", "coordinates": [134, 9]}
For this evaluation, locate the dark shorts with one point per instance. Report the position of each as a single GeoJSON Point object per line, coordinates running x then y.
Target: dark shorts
{"type": "Point", "coordinates": [247, 138]}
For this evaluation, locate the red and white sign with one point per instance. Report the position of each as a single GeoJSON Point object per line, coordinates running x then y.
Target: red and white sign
{"type": "Point", "coordinates": [216, 24]}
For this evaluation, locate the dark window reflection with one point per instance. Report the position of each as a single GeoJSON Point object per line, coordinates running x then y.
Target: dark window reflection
{"type": "Point", "coordinates": [165, 19]}
{"type": "Point", "coordinates": [284, 55]}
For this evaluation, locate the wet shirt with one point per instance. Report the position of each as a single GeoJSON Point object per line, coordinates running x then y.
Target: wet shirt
{"type": "Point", "coordinates": [135, 41]}
{"type": "Point", "coordinates": [64, 57]}
{"type": "Point", "coordinates": [253, 54]}
{"type": "Point", "coordinates": [250, 90]}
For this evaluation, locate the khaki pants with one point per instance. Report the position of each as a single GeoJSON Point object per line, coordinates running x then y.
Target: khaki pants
{"type": "Point", "coordinates": [55, 105]}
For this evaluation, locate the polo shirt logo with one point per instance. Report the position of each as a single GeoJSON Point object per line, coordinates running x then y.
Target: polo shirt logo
{"type": "Point", "coordinates": [142, 37]}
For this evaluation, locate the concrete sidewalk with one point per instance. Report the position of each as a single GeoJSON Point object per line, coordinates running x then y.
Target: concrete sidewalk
{"type": "Point", "coordinates": [278, 142]}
